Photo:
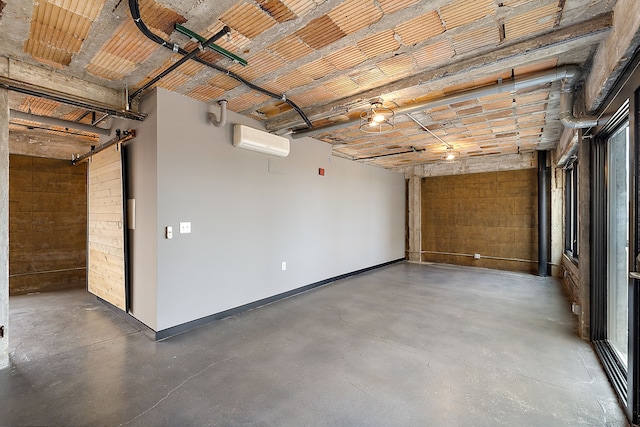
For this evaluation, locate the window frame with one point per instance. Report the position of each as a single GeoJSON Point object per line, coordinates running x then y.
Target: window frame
{"type": "Point", "coordinates": [571, 210]}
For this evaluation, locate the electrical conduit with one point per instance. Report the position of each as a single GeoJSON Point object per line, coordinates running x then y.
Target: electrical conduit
{"type": "Point", "coordinates": [135, 14]}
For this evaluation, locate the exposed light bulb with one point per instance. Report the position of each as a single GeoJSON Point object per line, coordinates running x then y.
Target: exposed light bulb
{"type": "Point", "coordinates": [451, 156]}
{"type": "Point", "coordinates": [378, 118]}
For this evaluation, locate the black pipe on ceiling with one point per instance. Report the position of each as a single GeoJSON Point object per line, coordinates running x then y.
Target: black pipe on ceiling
{"type": "Point", "coordinates": [135, 14]}
{"type": "Point", "coordinates": [182, 60]}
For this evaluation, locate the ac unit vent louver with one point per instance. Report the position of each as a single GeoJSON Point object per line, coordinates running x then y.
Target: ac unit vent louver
{"type": "Point", "coordinates": [257, 140]}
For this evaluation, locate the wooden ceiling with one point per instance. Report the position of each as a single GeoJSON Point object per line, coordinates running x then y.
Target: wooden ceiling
{"type": "Point", "coordinates": [331, 57]}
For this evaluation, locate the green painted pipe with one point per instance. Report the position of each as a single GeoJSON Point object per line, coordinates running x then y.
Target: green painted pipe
{"type": "Point", "coordinates": [222, 51]}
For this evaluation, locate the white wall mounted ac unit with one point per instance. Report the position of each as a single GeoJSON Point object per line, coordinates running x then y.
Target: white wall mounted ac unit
{"type": "Point", "coordinates": [257, 140]}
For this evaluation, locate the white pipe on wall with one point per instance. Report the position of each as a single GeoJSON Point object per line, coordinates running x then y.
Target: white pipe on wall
{"type": "Point", "coordinates": [223, 114]}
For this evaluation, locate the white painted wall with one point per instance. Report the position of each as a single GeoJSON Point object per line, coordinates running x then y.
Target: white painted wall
{"type": "Point", "coordinates": [141, 167]}
{"type": "Point", "coordinates": [245, 220]}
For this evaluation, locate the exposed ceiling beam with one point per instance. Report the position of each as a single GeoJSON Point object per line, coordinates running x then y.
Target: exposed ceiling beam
{"type": "Point", "coordinates": [536, 49]}
{"type": "Point", "coordinates": [26, 78]}
{"type": "Point", "coordinates": [43, 78]}
{"type": "Point", "coordinates": [473, 165]}
{"type": "Point", "coordinates": [58, 122]}
{"type": "Point", "coordinates": [43, 143]}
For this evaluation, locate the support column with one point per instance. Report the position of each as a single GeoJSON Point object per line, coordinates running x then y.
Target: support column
{"type": "Point", "coordinates": [543, 223]}
{"type": "Point", "coordinates": [557, 218]}
{"type": "Point", "coordinates": [4, 228]}
{"type": "Point", "coordinates": [584, 235]}
{"type": "Point", "coordinates": [415, 218]}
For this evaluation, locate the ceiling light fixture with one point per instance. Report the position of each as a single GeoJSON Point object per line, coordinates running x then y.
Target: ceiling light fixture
{"type": "Point", "coordinates": [377, 119]}
{"type": "Point", "coordinates": [450, 155]}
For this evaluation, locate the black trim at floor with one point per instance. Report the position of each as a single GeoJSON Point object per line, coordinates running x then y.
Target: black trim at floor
{"type": "Point", "coordinates": [128, 318]}
{"type": "Point", "coordinates": [175, 330]}
{"type": "Point", "coordinates": [615, 371]}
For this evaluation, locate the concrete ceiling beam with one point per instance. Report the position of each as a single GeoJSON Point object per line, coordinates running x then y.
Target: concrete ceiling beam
{"type": "Point", "coordinates": [539, 48]}
{"type": "Point", "coordinates": [20, 75]}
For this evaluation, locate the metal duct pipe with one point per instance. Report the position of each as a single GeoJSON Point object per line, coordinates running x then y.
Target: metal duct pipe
{"type": "Point", "coordinates": [566, 109]}
{"type": "Point", "coordinates": [543, 223]}
{"type": "Point", "coordinates": [569, 74]}
{"type": "Point", "coordinates": [223, 114]}
{"type": "Point", "coordinates": [15, 114]}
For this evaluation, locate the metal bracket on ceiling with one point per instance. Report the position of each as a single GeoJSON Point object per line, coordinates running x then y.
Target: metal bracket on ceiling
{"type": "Point", "coordinates": [222, 51]}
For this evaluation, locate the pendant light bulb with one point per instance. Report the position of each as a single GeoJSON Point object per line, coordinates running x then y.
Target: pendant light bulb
{"type": "Point", "coordinates": [378, 118]}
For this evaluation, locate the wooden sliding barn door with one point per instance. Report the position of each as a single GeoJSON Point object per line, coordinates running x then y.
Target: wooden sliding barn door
{"type": "Point", "coordinates": [106, 274]}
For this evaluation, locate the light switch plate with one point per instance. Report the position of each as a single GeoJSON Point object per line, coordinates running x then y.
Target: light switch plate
{"type": "Point", "coordinates": [284, 265]}
{"type": "Point", "coordinates": [185, 227]}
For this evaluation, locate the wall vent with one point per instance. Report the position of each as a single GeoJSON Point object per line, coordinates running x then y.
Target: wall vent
{"type": "Point", "coordinates": [257, 140]}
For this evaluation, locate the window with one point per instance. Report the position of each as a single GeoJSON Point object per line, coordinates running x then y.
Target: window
{"type": "Point", "coordinates": [618, 241]}
{"type": "Point", "coordinates": [571, 211]}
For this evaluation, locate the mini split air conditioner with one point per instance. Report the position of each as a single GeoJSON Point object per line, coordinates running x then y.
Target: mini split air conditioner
{"type": "Point", "coordinates": [257, 140]}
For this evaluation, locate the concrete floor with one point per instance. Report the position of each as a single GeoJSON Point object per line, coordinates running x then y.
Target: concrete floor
{"type": "Point", "coordinates": [406, 345]}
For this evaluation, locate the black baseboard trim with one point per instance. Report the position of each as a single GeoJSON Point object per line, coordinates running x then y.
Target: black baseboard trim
{"type": "Point", "coordinates": [179, 329]}
{"type": "Point", "coordinates": [128, 318]}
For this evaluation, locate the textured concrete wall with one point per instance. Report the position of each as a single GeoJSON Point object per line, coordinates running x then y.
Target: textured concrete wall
{"type": "Point", "coordinates": [614, 53]}
{"type": "Point", "coordinates": [557, 218]}
{"type": "Point", "coordinates": [414, 217]}
{"type": "Point", "coordinates": [48, 225]}
{"type": "Point", "coordinates": [571, 279]}
{"type": "Point", "coordinates": [577, 276]}
{"type": "Point", "coordinates": [492, 214]}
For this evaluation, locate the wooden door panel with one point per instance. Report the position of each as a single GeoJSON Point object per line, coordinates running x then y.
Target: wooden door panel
{"type": "Point", "coordinates": [106, 232]}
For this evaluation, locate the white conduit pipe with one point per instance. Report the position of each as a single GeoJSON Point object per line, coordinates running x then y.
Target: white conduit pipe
{"type": "Point", "coordinates": [52, 121]}
{"type": "Point", "coordinates": [223, 114]}
{"type": "Point", "coordinates": [568, 74]}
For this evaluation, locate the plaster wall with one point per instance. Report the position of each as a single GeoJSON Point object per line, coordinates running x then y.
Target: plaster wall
{"type": "Point", "coordinates": [249, 213]}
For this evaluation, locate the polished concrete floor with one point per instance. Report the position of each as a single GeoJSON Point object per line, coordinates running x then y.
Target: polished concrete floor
{"type": "Point", "coordinates": [405, 345]}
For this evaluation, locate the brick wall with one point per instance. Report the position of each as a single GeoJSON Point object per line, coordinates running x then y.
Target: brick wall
{"type": "Point", "coordinates": [492, 214]}
{"type": "Point", "coordinates": [47, 224]}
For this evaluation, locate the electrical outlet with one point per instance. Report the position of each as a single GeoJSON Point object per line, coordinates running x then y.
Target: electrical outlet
{"type": "Point", "coordinates": [168, 232]}
{"type": "Point", "coordinates": [185, 227]}
{"type": "Point", "coordinates": [576, 309]}
{"type": "Point", "coordinates": [284, 265]}
{"type": "Point", "coordinates": [476, 256]}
